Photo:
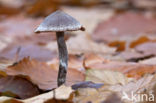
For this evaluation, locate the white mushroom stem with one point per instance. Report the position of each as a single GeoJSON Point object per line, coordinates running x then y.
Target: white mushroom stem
{"type": "Point", "coordinates": [63, 58]}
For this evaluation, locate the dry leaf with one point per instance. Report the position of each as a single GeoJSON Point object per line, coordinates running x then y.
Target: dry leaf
{"type": "Point", "coordinates": [92, 95]}
{"type": "Point", "coordinates": [27, 50]}
{"type": "Point", "coordinates": [42, 74]}
{"type": "Point", "coordinates": [106, 77]}
{"type": "Point", "coordinates": [24, 26]}
{"type": "Point", "coordinates": [125, 27]}
{"type": "Point", "coordinates": [38, 72]}
{"type": "Point", "coordinates": [148, 48]}
{"type": "Point", "coordinates": [4, 63]}
{"type": "Point", "coordinates": [136, 87]}
{"type": "Point", "coordinates": [151, 61]}
{"type": "Point", "coordinates": [62, 93]}
{"type": "Point", "coordinates": [17, 87]}
{"type": "Point", "coordinates": [133, 55]}
{"type": "Point", "coordinates": [134, 70]}
{"type": "Point", "coordinates": [42, 8]}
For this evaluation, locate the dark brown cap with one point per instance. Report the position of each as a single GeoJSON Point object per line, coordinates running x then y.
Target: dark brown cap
{"type": "Point", "coordinates": [59, 21]}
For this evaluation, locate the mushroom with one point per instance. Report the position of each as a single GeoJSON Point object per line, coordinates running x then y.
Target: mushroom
{"type": "Point", "coordinates": [60, 22]}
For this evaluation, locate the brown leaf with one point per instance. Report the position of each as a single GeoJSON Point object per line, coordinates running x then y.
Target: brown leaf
{"type": "Point", "coordinates": [139, 41]}
{"type": "Point", "coordinates": [74, 62]}
{"type": "Point", "coordinates": [23, 30]}
{"type": "Point", "coordinates": [17, 87]}
{"type": "Point", "coordinates": [125, 27]}
{"type": "Point", "coordinates": [63, 94]}
{"type": "Point", "coordinates": [144, 4]}
{"type": "Point", "coordinates": [59, 94]}
{"type": "Point", "coordinates": [133, 55]}
{"type": "Point", "coordinates": [135, 70]}
{"type": "Point", "coordinates": [27, 50]}
{"type": "Point", "coordinates": [92, 95]}
{"type": "Point", "coordinates": [42, 8]}
{"type": "Point", "coordinates": [24, 26]}
{"type": "Point", "coordinates": [151, 61]}
{"type": "Point", "coordinates": [113, 98]}
{"type": "Point", "coordinates": [4, 63]}
{"type": "Point", "coordinates": [42, 74]}
{"type": "Point", "coordinates": [148, 48]}
{"type": "Point", "coordinates": [106, 77]}
{"type": "Point", "coordinates": [120, 45]}
{"type": "Point", "coordinates": [137, 87]}
{"type": "Point", "coordinates": [38, 72]}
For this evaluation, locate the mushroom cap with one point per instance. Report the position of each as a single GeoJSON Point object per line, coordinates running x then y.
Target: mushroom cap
{"type": "Point", "coordinates": [58, 22]}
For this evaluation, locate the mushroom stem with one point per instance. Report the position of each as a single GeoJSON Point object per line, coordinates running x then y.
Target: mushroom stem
{"type": "Point", "coordinates": [63, 58]}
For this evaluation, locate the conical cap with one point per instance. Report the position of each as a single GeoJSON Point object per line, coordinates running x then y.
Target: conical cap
{"type": "Point", "coordinates": [59, 21]}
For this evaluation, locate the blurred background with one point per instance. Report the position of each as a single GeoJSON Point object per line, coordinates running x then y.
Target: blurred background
{"type": "Point", "coordinates": [44, 7]}
{"type": "Point", "coordinates": [122, 24]}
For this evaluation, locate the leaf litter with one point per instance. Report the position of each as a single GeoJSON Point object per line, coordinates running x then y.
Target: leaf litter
{"type": "Point", "coordinates": [118, 57]}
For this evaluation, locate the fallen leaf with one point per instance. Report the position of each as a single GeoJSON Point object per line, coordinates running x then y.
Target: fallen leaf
{"type": "Point", "coordinates": [42, 8]}
{"type": "Point", "coordinates": [136, 87]}
{"type": "Point", "coordinates": [151, 61]}
{"type": "Point", "coordinates": [92, 95]}
{"type": "Point", "coordinates": [17, 87]}
{"type": "Point", "coordinates": [125, 27]}
{"type": "Point", "coordinates": [44, 76]}
{"type": "Point", "coordinates": [63, 93]}
{"type": "Point", "coordinates": [106, 77]}
{"type": "Point", "coordinates": [133, 56]}
{"type": "Point", "coordinates": [148, 48]}
{"type": "Point", "coordinates": [38, 52]}
{"type": "Point", "coordinates": [4, 41]}
{"type": "Point", "coordinates": [134, 70]}
{"type": "Point", "coordinates": [120, 45]}
{"type": "Point", "coordinates": [144, 4]}
{"type": "Point", "coordinates": [4, 63]}
{"type": "Point", "coordinates": [113, 98]}
{"type": "Point", "coordinates": [24, 26]}
{"type": "Point", "coordinates": [74, 62]}
{"type": "Point", "coordinates": [139, 41]}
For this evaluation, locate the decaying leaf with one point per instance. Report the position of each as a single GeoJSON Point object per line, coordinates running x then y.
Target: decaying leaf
{"type": "Point", "coordinates": [17, 87]}
{"type": "Point", "coordinates": [42, 74]}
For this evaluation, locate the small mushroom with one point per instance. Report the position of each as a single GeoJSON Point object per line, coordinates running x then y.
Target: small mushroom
{"type": "Point", "coordinates": [60, 22]}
